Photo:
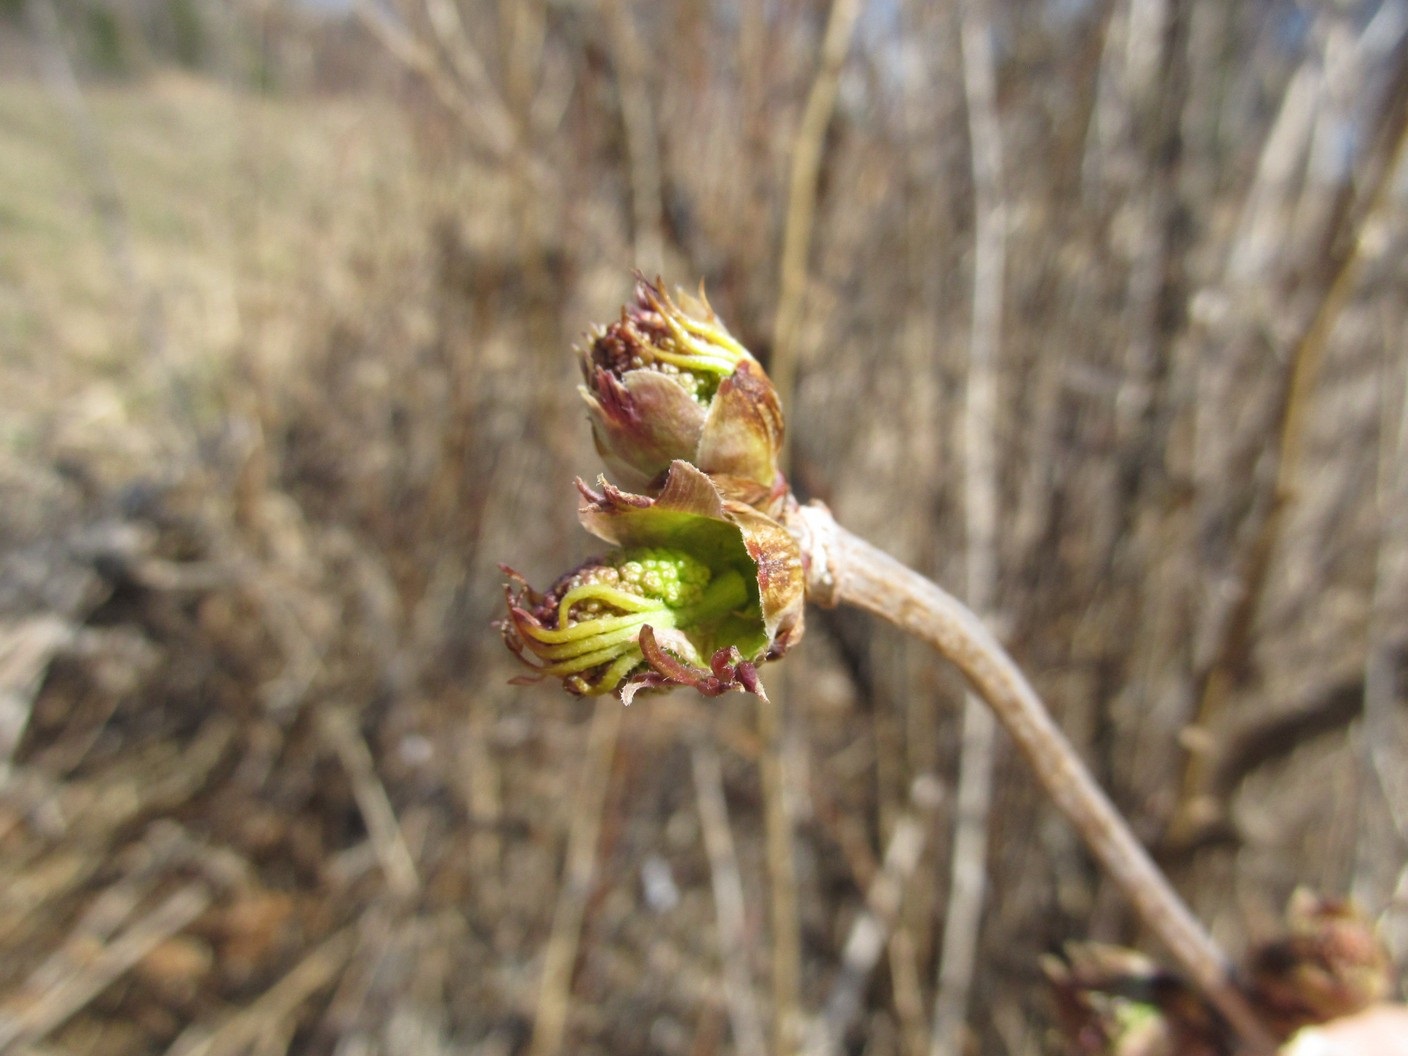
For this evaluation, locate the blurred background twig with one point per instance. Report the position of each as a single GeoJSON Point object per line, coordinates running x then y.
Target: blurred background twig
{"type": "Point", "coordinates": [964, 912]}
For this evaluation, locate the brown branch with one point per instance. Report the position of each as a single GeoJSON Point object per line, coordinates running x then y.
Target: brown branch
{"type": "Point", "coordinates": [866, 940]}
{"type": "Point", "coordinates": [845, 568]}
{"type": "Point", "coordinates": [1264, 738]}
{"type": "Point", "coordinates": [1385, 740]}
{"type": "Point", "coordinates": [579, 872]}
{"type": "Point", "coordinates": [968, 884]}
{"type": "Point", "coordinates": [729, 910]}
{"type": "Point", "coordinates": [782, 877]}
{"type": "Point", "coordinates": [801, 194]}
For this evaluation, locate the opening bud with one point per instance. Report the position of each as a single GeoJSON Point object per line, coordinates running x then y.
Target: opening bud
{"type": "Point", "coordinates": [586, 630]}
{"type": "Point", "coordinates": [698, 591]}
{"type": "Point", "coordinates": [668, 382]}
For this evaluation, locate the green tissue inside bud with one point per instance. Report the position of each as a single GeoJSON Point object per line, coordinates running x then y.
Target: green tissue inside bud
{"type": "Point", "coordinates": [701, 386]}
{"type": "Point", "coordinates": [1131, 1017]}
{"type": "Point", "coordinates": [704, 362]}
{"type": "Point", "coordinates": [630, 580]}
{"type": "Point", "coordinates": [605, 605]}
{"type": "Point", "coordinates": [673, 577]}
{"type": "Point", "coordinates": [702, 353]}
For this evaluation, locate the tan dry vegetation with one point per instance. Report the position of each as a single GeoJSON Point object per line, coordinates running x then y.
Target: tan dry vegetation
{"type": "Point", "coordinates": [263, 785]}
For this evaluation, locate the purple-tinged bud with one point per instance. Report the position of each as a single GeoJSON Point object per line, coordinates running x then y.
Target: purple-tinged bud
{"type": "Point", "coordinates": [1112, 1001]}
{"type": "Point", "coordinates": [1329, 963]}
{"type": "Point", "coordinates": [699, 591]}
{"type": "Point", "coordinates": [668, 382]}
{"type": "Point", "coordinates": [587, 629]}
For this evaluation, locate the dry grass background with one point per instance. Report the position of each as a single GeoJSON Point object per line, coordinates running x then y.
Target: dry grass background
{"type": "Point", "coordinates": [284, 374]}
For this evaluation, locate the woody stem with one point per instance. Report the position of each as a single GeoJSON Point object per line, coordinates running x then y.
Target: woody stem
{"type": "Point", "coordinates": [841, 567]}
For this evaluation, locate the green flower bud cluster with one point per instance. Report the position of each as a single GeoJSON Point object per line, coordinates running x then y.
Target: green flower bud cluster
{"type": "Point", "coordinates": [705, 582]}
{"type": "Point", "coordinates": [586, 629]}
{"type": "Point", "coordinates": [688, 344]}
{"type": "Point", "coordinates": [669, 576]}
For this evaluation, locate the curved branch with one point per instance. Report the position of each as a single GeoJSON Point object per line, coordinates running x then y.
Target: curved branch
{"type": "Point", "coordinates": [845, 568]}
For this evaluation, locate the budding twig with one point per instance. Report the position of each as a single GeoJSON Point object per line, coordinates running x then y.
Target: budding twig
{"type": "Point", "coordinates": [842, 567]}
{"type": "Point", "coordinates": [711, 565]}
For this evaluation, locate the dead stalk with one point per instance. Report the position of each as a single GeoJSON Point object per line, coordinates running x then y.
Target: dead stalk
{"type": "Point", "coordinates": [729, 909]}
{"type": "Point", "coordinates": [579, 872]}
{"type": "Point", "coordinates": [796, 241]}
{"type": "Point", "coordinates": [642, 144]}
{"type": "Point", "coordinates": [474, 105]}
{"type": "Point", "coordinates": [383, 828]}
{"type": "Point", "coordinates": [455, 43]}
{"type": "Point", "coordinates": [967, 888]}
{"type": "Point", "coordinates": [782, 878]}
{"type": "Point", "coordinates": [71, 986]}
{"type": "Point", "coordinates": [873, 927]}
{"type": "Point", "coordinates": [845, 568]}
{"type": "Point", "coordinates": [240, 1030]}
{"type": "Point", "coordinates": [801, 193]}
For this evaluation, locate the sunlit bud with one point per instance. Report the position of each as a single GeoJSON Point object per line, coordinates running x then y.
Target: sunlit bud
{"type": "Point", "coordinates": [586, 629]}
{"type": "Point", "coordinates": [698, 591]}
{"type": "Point", "coordinates": [668, 382]}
